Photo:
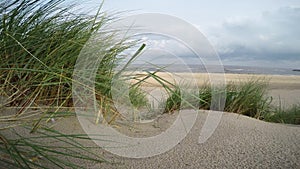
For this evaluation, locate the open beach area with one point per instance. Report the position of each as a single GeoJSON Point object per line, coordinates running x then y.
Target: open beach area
{"type": "Point", "coordinates": [184, 85]}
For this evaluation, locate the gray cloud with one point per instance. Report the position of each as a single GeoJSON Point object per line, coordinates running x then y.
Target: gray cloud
{"type": "Point", "coordinates": [275, 36]}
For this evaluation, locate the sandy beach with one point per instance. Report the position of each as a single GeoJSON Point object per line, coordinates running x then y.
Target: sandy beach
{"type": "Point", "coordinates": [238, 142]}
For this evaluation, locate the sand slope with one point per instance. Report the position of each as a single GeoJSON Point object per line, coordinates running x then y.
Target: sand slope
{"type": "Point", "coordinates": [238, 142]}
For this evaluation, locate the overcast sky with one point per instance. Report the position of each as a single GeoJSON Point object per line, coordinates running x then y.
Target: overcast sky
{"type": "Point", "coordinates": [245, 32]}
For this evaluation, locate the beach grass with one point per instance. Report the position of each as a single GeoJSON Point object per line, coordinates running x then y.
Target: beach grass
{"type": "Point", "coordinates": [290, 115]}
{"type": "Point", "coordinates": [174, 100]}
{"type": "Point", "coordinates": [138, 97]}
{"type": "Point", "coordinates": [38, 151]}
{"type": "Point", "coordinates": [247, 98]}
{"type": "Point", "coordinates": [250, 98]}
{"type": "Point", "coordinates": [40, 43]}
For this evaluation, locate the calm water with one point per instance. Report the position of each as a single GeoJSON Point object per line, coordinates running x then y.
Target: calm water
{"type": "Point", "coordinates": [227, 69]}
{"type": "Point", "coordinates": [253, 70]}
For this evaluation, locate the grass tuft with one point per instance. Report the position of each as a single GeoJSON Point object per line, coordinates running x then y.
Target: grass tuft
{"type": "Point", "coordinates": [247, 98]}
{"type": "Point", "coordinates": [174, 100]}
{"type": "Point", "coordinates": [289, 116]}
{"type": "Point", "coordinates": [39, 45]}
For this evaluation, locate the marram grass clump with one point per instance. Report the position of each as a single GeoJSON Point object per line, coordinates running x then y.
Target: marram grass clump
{"type": "Point", "coordinates": [290, 115]}
{"type": "Point", "coordinates": [39, 45]}
{"type": "Point", "coordinates": [247, 98]}
{"type": "Point", "coordinates": [40, 42]}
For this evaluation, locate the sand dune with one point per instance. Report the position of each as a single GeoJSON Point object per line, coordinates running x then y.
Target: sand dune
{"type": "Point", "coordinates": [238, 142]}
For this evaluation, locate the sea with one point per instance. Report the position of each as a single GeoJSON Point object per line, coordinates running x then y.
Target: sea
{"type": "Point", "coordinates": [234, 69]}
{"type": "Point", "coordinates": [252, 70]}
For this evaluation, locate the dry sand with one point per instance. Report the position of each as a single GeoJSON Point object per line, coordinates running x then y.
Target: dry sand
{"type": "Point", "coordinates": [238, 142]}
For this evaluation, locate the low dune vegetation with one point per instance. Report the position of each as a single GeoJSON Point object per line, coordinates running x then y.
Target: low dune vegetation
{"type": "Point", "coordinates": [247, 98]}
{"type": "Point", "coordinates": [290, 115]}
